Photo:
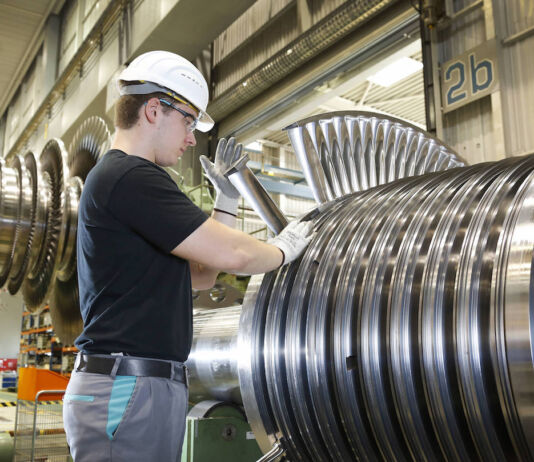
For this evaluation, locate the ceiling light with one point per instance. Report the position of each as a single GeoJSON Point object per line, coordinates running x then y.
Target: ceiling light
{"type": "Point", "coordinates": [254, 146]}
{"type": "Point", "coordinates": [396, 71]}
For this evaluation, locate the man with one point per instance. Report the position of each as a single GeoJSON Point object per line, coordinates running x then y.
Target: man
{"type": "Point", "coordinates": [142, 244]}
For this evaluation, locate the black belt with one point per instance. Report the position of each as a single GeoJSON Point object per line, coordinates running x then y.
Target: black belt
{"type": "Point", "coordinates": [138, 367]}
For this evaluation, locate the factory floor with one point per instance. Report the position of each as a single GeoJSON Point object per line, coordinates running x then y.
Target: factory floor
{"type": "Point", "coordinates": [8, 410]}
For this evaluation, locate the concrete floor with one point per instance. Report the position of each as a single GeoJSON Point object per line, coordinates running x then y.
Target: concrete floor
{"type": "Point", "coordinates": [50, 444]}
{"type": "Point", "coordinates": [7, 414]}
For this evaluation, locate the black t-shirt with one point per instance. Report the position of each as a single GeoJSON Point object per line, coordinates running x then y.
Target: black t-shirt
{"type": "Point", "coordinates": [135, 297]}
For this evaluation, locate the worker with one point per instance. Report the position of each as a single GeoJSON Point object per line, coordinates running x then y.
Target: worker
{"type": "Point", "coordinates": [141, 247]}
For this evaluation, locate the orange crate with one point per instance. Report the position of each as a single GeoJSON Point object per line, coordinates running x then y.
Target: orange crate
{"type": "Point", "coordinates": [33, 380]}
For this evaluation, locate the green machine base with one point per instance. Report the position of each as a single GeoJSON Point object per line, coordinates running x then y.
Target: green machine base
{"type": "Point", "coordinates": [6, 447]}
{"type": "Point", "coordinates": [218, 431]}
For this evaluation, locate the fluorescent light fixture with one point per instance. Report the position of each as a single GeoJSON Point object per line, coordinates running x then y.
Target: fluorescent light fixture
{"type": "Point", "coordinates": [254, 146]}
{"type": "Point", "coordinates": [396, 71]}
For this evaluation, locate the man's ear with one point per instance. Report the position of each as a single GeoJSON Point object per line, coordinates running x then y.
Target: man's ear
{"type": "Point", "coordinates": [150, 109]}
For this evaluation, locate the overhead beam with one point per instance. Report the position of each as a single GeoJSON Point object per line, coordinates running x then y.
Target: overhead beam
{"type": "Point", "coordinates": [300, 94]}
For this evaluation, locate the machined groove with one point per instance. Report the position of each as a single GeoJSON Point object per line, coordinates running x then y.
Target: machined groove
{"type": "Point", "coordinates": [388, 339]}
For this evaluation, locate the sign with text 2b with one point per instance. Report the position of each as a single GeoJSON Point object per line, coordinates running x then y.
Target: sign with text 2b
{"type": "Point", "coordinates": [469, 77]}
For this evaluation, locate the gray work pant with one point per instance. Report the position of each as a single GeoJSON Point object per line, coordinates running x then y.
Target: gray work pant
{"type": "Point", "coordinates": [124, 418]}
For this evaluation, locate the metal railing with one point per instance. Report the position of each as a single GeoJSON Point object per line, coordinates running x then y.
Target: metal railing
{"type": "Point", "coordinates": [39, 432]}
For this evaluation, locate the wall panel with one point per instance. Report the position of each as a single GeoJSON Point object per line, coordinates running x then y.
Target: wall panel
{"type": "Point", "coordinates": [248, 24]}
{"type": "Point", "coordinates": [69, 25]}
{"type": "Point", "coordinates": [499, 125]}
{"type": "Point", "coordinates": [517, 73]}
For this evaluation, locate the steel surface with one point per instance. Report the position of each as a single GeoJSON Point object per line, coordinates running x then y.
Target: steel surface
{"type": "Point", "coordinates": [25, 223]}
{"type": "Point", "coordinates": [345, 152]}
{"type": "Point", "coordinates": [9, 214]}
{"type": "Point", "coordinates": [388, 339]}
{"type": "Point", "coordinates": [255, 194]}
{"type": "Point", "coordinates": [37, 284]}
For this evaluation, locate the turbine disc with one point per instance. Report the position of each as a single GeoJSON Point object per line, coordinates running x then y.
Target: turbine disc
{"type": "Point", "coordinates": [25, 226]}
{"type": "Point", "coordinates": [9, 217]}
{"type": "Point", "coordinates": [53, 168]}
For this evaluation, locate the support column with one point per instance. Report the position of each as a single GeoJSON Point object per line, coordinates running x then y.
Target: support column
{"type": "Point", "coordinates": [496, 101]}
{"type": "Point", "coordinates": [2, 135]}
{"type": "Point", "coordinates": [50, 55]}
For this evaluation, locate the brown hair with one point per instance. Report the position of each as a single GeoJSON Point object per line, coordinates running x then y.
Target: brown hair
{"type": "Point", "coordinates": [127, 108]}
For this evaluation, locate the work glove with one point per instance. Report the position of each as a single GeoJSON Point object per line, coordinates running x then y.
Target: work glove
{"type": "Point", "coordinates": [227, 196]}
{"type": "Point", "coordinates": [293, 239]}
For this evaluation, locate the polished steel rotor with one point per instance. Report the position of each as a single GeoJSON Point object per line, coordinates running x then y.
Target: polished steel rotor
{"type": "Point", "coordinates": [405, 331]}
{"type": "Point", "coordinates": [38, 220]}
{"type": "Point", "coordinates": [26, 168]}
{"type": "Point", "coordinates": [89, 143]}
{"type": "Point", "coordinates": [25, 234]}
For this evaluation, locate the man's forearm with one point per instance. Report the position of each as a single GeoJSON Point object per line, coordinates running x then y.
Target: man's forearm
{"type": "Point", "coordinates": [225, 218]}
{"type": "Point", "coordinates": [268, 258]}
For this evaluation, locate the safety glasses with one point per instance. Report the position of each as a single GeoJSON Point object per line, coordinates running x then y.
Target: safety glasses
{"type": "Point", "coordinates": [190, 120]}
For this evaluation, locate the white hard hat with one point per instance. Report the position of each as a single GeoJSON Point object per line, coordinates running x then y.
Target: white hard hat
{"type": "Point", "coordinates": [163, 71]}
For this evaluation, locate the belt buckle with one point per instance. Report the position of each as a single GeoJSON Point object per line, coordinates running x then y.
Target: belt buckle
{"type": "Point", "coordinates": [80, 362]}
{"type": "Point", "coordinates": [186, 376]}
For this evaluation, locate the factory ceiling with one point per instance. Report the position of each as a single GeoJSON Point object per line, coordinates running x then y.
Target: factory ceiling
{"type": "Point", "coordinates": [403, 99]}
{"type": "Point", "coordinates": [21, 28]}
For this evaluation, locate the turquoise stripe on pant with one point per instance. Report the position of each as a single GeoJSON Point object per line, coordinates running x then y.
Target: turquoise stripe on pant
{"type": "Point", "coordinates": [122, 390]}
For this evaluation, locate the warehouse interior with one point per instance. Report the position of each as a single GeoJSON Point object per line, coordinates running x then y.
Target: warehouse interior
{"type": "Point", "coordinates": [401, 129]}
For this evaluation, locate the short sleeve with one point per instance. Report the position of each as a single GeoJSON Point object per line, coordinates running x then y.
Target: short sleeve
{"type": "Point", "coordinates": [147, 201]}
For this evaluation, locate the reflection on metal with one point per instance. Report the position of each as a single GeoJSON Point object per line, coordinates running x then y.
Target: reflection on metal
{"type": "Point", "coordinates": [9, 211]}
{"type": "Point", "coordinates": [404, 332]}
{"type": "Point", "coordinates": [345, 152]}
{"type": "Point", "coordinates": [257, 197]}
{"type": "Point", "coordinates": [273, 454]}
{"type": "Point", "coordinates": [48, 230]}
{"type": "Point", "coordinates": [221, 295]}
{"type": "Point", "coordinates": [38, 219]}
{"type": "Point", "coordinates": [26, 168]}
{"type": "Point", "coordinates": [212, 363]}
{"type": "Point", "coordinates": [213, 408]}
